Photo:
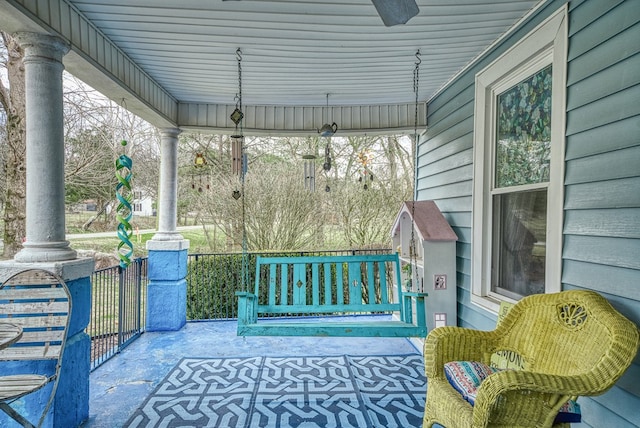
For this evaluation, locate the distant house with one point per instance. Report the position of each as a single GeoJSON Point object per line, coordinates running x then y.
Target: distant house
{"type": "Point", "coordinates": [532, 154]}
{"type": "Point", "coordinates": [143, 204]}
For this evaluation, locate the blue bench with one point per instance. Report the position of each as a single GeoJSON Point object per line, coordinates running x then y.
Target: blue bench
{"type": "Point", "coordinates": [292, 287]}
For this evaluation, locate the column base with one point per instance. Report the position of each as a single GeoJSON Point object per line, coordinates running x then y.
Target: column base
{"type": "Point", "coordinates": [33, 252]}
{"type": "Point", "coordinates": [166, 305]}
{"type": "Point", "coordinates": [167, 236]}
{"type": "Point", "coordinates": [167, 288]}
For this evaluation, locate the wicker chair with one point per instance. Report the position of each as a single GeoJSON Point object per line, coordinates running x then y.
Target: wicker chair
{"type": "Point", "coordinates": [574, 343]}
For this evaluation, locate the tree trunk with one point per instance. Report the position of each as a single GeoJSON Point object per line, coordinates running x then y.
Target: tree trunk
{"type": "Point", "coordinates": [15, 185]}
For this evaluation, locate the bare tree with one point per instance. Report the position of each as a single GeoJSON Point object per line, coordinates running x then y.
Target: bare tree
{"type": "Point", "coordinates": [279, 213]}
{"type": "Point", "coordinates": [95, 127]}
{"type": "Point", "coordinates": [12, 99]}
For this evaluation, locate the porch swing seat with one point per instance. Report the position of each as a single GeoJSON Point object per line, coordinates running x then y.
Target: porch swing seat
{"type": "Point", "coordinates": [290, 290]}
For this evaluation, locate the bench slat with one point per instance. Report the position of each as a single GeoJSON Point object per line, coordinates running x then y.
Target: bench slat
{"type": "Point", "coordinates": [18, 385]}
{"type": "Point", "coordinates": [38, 321]}
{"type": "Point", "coordinates": [284, 279]}
{"type": "Point", "coordinates": [327, 309]}
{"type": "Point", "coordinates": [337, 329]}
{"type": "Point", "coordinates": [272, 284]}
{"type": "Point", "coordinates": [383, 282]}
{"type": "Point", "coordinates": [14, 293]}
{"type": "Point", "coordinates": [355, 284]}
{"type": "Point", "coordinates": [42, 336]}
{"type": "Point", "coordinates": [24, 307]}
{"type": "Point", "coordinates": [340, 284]}
{"type": "Point", "coordinates": [30, 352]}
{"type": "Point", "coordinates": [315, 287]}
{"type": "Point", "coordinates": [327, 283]}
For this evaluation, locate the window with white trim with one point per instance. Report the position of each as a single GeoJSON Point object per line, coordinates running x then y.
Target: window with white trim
{"type": "Point", "coordinates": [519, 168]}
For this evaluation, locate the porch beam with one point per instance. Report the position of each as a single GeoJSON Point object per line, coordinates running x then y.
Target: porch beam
{"type": "Point", "coordinates": [304, 120]}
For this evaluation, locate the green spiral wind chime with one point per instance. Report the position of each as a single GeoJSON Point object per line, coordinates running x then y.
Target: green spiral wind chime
{"type": "Point", "coordinates": [124, 211]}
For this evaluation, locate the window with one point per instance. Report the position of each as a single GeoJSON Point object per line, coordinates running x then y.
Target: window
{"type": "Point", "coordinates": [518, 159]}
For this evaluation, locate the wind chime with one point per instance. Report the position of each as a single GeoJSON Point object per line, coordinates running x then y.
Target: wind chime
{"type": "Point", "coordinates": [200, 163]}
{"type": "Point", "coordinates": [238, 162]}
{"type": "Point", "coordinates": [239, 167]}
{"type": "Point", "coordinates": [309, 172]}
{"type": "Point", "coordinates": [327, 130]}
{"type": "Point", "coordinates": [326, 166]}
{"type": "Point", "coordinates": [365, 174]}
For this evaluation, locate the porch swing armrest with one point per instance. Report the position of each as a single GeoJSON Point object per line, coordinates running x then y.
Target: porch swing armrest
{"type": "Point", "coordinates": [408, 298]}
{"type": "Point", "coordinates": [247, 308]}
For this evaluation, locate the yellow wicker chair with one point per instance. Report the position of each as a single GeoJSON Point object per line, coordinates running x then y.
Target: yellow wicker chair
{"type": "Point", "coordinates": [574, 343]}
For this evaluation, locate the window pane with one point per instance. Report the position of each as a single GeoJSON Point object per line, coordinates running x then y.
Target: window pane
{"type": "Point", "coordinates": [519, 243]}
{"type": "Point", "coordinates": [524, 132]}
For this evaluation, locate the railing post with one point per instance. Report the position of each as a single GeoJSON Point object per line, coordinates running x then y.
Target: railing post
{"type": "Point", "coordinates": [121, 305]}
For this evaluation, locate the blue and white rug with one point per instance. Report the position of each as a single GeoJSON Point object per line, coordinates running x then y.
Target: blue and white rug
{"type": "Point", "coordinates": [283, 392]}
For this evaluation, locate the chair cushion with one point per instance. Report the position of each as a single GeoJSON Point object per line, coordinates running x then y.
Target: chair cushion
{"type": "Point", "coordinates": [466, 377]}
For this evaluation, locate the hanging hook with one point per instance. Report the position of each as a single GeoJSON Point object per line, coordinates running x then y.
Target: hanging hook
{"type": "Point", "coordinates": [416, 73]}
{"type": "Point", "coordinates": [239, 54]}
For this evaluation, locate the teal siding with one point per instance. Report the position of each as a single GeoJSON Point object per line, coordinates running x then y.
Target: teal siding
{"type": "Point", "coordinates": [602, 177]}
{"type": "Point", "coordinates": [602, 181]}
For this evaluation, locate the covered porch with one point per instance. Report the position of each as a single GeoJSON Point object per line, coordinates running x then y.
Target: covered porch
{"type": "Point", "coordinates": [293, 66]}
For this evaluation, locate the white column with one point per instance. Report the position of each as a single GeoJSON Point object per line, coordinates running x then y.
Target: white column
{"type": "Point", "coordinates": [168, 201]}
{"type": "Point", "coordinates": [45, 225]}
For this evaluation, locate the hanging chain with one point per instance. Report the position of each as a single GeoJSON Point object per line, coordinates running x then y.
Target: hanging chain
{"type": "Point", "coordinates": [239, 95]}
{"type": "Point", "coordinates": [245, 257]}
{"type": "Point", "coordinates": [413, 257]}
{"type": "Point", "coordinates": [416, 81]}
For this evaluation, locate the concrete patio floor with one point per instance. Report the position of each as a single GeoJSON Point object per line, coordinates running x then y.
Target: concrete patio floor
{"type": "Point", "coordinates": [121, 384]}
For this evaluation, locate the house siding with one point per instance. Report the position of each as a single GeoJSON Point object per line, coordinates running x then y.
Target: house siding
{"type": "Point", "coordinates": [601, 231]}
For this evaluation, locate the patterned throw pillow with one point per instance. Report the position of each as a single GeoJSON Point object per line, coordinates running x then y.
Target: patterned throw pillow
{"type": "Point", "coordinates": [466, 377]}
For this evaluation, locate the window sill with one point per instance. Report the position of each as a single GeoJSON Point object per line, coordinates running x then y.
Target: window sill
{"type": "Point", "coordinates": [487, 303]}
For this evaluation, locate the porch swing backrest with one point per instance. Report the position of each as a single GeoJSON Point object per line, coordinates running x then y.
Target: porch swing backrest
{"type": "Point", "coordinates": [288, 287]}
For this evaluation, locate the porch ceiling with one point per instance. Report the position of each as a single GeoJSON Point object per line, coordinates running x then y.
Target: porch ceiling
{"type": "Point", "coordinates": [174, 61]}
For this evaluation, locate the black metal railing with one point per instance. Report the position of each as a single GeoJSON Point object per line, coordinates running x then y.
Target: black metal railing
{"type": "Point", "coordinates": [118, 309]}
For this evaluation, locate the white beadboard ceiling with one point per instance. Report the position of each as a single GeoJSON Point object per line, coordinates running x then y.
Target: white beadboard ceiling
{"type": "Point", "coordinates": [295, 52]}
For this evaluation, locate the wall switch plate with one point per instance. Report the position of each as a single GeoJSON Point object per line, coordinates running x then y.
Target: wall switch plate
{"type": "Point", "coordinates": [440, 281]}
{"type": "Point", "coordinates": [440, 319]}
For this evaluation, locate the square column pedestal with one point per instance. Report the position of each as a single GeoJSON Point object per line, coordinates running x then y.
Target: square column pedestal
{"type": "Point", "coordinates": [71, 404]}
{"type": "Point", "coordinates": [167, 289]}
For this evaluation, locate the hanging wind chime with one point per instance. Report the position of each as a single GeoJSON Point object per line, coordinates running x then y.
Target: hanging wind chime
{"type": "Point", "coordinates": [326, 166]}
{"type": "Point", "coordinates": [309, 172]}
{"type": "Point", "coordinates": [365, 175]}
{"type": "Point", "coordinates": [238, 164]}
{"type": "Point", "coordinates": [124, 212]}
{"type": "Point", "coordinates": [239, 167]}
{"type": "Point", "coordinates": [413, 256]}
{"type": "Point", "coordinates": [199, 163]}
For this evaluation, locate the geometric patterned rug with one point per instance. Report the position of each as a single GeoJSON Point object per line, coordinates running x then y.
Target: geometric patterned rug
{"type": "Point", "coordinates": [288, 392]}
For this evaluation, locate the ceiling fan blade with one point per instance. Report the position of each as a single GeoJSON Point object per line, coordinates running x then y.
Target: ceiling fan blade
{"type": "Point", "coordinates": [394, 12]}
